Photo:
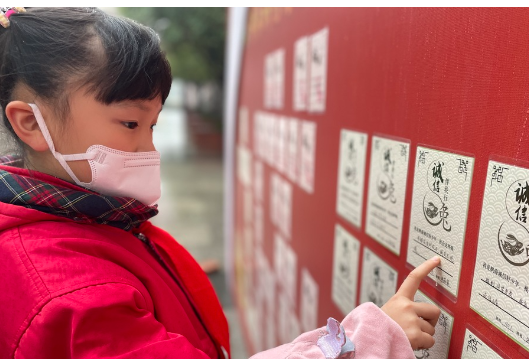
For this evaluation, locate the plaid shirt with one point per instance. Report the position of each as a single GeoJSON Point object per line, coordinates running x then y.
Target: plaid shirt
{"type": "Point", "coordinates": [24, 188]}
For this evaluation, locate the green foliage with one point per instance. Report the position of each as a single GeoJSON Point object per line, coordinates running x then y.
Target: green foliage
{"type": "Point", "coordinates": [193, 39]}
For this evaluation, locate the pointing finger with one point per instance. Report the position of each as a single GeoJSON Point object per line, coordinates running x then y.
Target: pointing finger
{"type": "Point", "coordinates": [411, 283]}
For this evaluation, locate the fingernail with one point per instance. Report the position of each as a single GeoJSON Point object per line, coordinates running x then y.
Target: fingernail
{"type": "Point", "coordinates": [436, 259]}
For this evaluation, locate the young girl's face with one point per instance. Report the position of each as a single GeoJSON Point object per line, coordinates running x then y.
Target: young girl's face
{"type": "Point", "coordinates": [125, 126]}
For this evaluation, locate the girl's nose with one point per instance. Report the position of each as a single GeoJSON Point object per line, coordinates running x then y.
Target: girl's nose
{"type": "Point", "coordinates": [146, 146]}
{"type": "Point", "coordinates": [149, 148]}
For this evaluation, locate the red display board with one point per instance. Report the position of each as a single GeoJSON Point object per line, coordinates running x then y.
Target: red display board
{"type": "Point", "coordinates": [425, 111]}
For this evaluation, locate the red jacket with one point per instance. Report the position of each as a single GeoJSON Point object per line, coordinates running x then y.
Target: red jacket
{"type": "Point", "coordinates": [71, 290]}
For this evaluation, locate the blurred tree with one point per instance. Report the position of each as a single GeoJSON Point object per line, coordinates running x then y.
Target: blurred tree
{"type": "Point", "coordinates": [193, 39]}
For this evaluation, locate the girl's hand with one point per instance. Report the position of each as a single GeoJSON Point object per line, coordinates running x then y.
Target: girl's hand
{"type": "Point", "coordinates": [416, 319]}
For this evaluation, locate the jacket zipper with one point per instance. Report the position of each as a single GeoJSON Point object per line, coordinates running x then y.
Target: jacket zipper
{"type": "Point", "coordinates": [160, 260]}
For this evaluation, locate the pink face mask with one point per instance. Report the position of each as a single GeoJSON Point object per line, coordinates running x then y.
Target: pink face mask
{"type": "Point", "coordinates": [114, 173]}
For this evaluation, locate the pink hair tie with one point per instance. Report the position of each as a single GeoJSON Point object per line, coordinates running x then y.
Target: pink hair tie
{"type": "Point", "coordinates": [6, 12]}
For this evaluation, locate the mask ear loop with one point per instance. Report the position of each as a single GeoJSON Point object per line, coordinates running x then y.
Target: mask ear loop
{"type": "Point", "coordinates": [58, 156]}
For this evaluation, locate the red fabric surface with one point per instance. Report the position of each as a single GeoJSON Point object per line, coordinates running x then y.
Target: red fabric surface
{"type": "Point", "coordinates": [195, 281]}
{"type": "Point", "coordinates": [87, 291]}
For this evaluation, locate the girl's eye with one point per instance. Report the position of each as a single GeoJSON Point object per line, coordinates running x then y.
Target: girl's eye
{"type": "Point", "coordinates": [130, 125]}
{"type": "Point", "coordinates": [152, 127]}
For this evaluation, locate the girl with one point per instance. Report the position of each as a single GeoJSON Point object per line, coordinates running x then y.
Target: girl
{"type": "Point", "coordinates": [83, 274]}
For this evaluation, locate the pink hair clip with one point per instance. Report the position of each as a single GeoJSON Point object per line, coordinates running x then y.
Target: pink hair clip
{"type": "Point", "coordinates": [6, 12]}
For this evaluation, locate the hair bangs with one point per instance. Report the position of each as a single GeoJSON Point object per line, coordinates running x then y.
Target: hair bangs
{"type": "Point", "coordinates": [133, 67]}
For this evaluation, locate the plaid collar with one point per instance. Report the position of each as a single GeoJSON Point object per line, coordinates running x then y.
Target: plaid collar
{"type": "Point", "coordinates": [45, 193]}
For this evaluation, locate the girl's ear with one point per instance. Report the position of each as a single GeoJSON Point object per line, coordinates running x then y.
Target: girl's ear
{"type": "Point", "coordinates": [23, 121]}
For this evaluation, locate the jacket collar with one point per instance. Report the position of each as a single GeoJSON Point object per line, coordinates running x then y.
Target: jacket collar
{"type": "Point", "coordinates": [51, 195]}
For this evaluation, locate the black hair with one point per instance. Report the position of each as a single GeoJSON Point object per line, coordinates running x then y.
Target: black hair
{"type": "Point", "coordinates": [53, 51]}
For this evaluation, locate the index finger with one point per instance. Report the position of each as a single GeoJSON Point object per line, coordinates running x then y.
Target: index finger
{"type": "Point", "coordinates": [411, 283]}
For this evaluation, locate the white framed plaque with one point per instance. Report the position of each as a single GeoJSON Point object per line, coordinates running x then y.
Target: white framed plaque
{"type": "Point", "coordinates": [439, 209]}
{"type": "Point", "coordinates": [500, 287]}
{"type": "Point", "coordinates": [387, 191]}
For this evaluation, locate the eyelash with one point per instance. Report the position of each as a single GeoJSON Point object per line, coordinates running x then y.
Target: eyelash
{"type": "Point", "coordinates": [134, 125]}
{"type": "Point", "coordinates": [130, 125]}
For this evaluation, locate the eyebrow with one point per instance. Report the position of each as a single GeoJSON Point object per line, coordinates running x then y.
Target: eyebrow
{"type": "Point", "coordinates": [135, 104]}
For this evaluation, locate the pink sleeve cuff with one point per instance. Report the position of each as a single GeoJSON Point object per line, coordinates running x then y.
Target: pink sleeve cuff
{"type": "Point", "coordinates": [374, 334]}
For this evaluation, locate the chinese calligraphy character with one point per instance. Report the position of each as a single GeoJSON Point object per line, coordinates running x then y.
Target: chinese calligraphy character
{"type": "Point", "coordinates": [522, 193]}
{"type": "Point", "coordinates": [350, 170]}
{"type": "Point", "coordinates": [462, 167]}
{"type": "Point", "coordinates": [316, 57]}
{"type": "Point", "coordinates": [521, 215]}
{"type": "Point", "coordinates": [351, 148]}
{"type": "Point", "coordinates": [443, 213]}
{"type": "Point", "coordinates": [403, 150]}
{"type": "Point", "coordinates": [443, 321]}
{"type": "Point", "coordinates": [473, 344]}
{"type": "Point", "coordinates": [437, 173]}
{"type": "Point", "coordinates": [522, 197]}
{"type": "Point", "coordinates": [497, 174]}
{"type": "Point", "coordinates": [422, 157]}
{"type": "Point", "coordinates": [445, 197]}
{"type": "Point", "coordinates": [387, 160]}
